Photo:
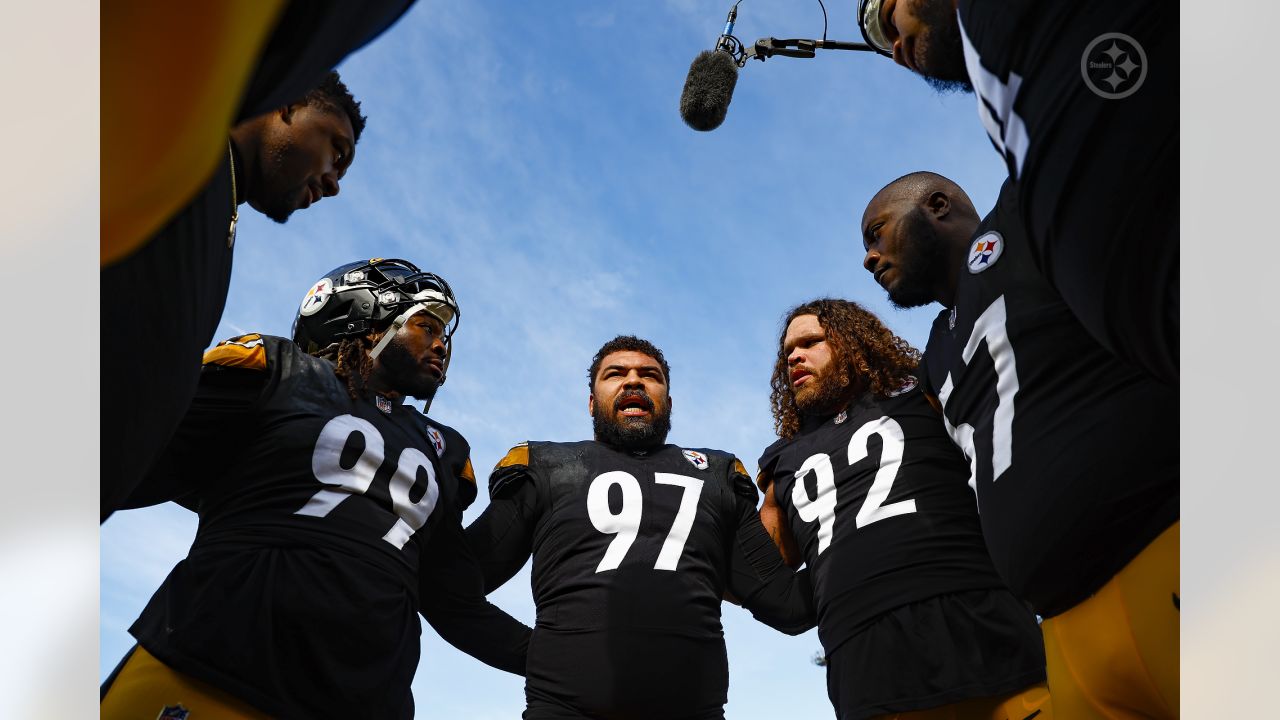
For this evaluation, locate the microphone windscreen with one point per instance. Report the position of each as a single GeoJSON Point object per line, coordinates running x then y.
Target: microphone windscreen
{"type": "Point", "coordinates": [708, 89]}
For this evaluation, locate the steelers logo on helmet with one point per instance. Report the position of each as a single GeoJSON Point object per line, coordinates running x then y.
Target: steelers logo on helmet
{"type": "Point", "coordinates": [360, 298]}
{"type": "Point", "coordinates": [985, 251]}
{"type": "Point", "coordinates": [316, 297]}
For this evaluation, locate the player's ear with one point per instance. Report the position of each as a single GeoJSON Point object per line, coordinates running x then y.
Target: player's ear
{"type": "Point", "coordinates": [286, 112]}
{"type": "Point", "coordinates": [938, 204]}
{"type": "Point", "coordinates": [591, 404]}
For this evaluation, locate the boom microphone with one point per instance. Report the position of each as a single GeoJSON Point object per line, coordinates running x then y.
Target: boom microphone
{"type": "Point", "coordinates": [713, 74]}
{"type": "Point", "coordinates": [708, 89]}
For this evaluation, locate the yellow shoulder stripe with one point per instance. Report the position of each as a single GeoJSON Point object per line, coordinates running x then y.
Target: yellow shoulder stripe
{"type": "Point", "coordinates": [518, 455]}
{"type": "Point", "coordinates": [245, 351]}
{"type": "Point", "coordinates": [738, 468]}
{"type": "Point", "coordinates": [468, 473]}
{"type": "Point", "coordinates": [763, 481]}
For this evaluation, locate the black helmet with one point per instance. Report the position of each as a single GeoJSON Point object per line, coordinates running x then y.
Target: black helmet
{"type": "Point", "coordinates": [364, 297]}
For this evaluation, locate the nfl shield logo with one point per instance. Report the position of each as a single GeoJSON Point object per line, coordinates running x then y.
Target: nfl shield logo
{"type": "Point", "coordinates": [173, 712]}
{"type": "Point", "coordinates": [844, 415]}
{"type": "Point", "coordinates": [384, 404]}
{"type": "Point", "coordinates": [437, 439]}
{"type": "Point", "coordinates": [696, 459]}
{"type": "Point", "coordinates": [984, 251]}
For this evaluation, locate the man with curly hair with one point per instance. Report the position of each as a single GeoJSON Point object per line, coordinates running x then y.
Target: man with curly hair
{"type": "Point", "coordinates": [866, 489]}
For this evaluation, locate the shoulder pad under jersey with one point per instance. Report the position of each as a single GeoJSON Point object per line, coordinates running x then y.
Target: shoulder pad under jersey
{"type": "Point", "coordinates": [455, 455]}
{"type": "Point", "coordinates": [742, 484]}
{"type": "Point", "coordinates": [766, 461]}
{"type": "Point", "coordinates": [244, 351]}
{"type": "Point", "coordinates": [510, 470]}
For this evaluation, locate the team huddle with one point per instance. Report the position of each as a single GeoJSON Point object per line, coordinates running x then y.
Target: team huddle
{"type": "Point", "coordinates": [985, 530]}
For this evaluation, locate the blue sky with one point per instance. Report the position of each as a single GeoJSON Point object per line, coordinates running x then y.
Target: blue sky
{"type": "Point", "coordinates": [533, 155]}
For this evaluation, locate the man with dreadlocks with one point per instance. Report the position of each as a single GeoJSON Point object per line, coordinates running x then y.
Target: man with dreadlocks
{"type": "Point", "coordinates": [634, 543]}
{"type": "Point", "coordinates": [865, 487]}
{"type": "Point", "coordinates": [330, 514]}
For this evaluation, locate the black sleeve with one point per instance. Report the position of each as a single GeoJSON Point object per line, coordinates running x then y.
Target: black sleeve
{"type": "Point", "coordinates": [502, 537]}
{"type": "Point", "coordinates": [452, 598]}
{"type": "Point", "coordinates": [218, 419]}
{"type": "Point", "coordinates": [775, 594]}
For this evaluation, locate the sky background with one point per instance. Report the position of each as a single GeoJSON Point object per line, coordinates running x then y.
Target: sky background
{"type": "Point", "coordinates": [533, 155]}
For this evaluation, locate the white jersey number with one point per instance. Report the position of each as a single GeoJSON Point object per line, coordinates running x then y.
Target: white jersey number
{"type": "Point", "coordinates": [625, 524]}
{"type": "Point", "coordinates": [995, 107]}
{"type": "Point", "coordinates": [343, 482]}
{"type": "Point", "coordinates": [821, 508]}
{"type": "Point", "coordinates": [989, 329]}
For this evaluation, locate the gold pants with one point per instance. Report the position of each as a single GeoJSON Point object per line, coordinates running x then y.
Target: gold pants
{"type": "Point", "coordinates": [146, 688]}
{"type": "Point", "coordinates": [1115, 655]}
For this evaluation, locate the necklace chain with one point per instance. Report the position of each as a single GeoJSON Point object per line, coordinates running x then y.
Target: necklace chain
{"type": "Point", "coordinates": [235, 207]}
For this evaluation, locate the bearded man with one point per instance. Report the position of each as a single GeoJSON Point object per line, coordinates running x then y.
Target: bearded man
{"type": "Point", "coordinates": [1080, 99]}
{"type": "Point", "coordinates": [865, 488]}
{"type": "Point", "coordinates": [634, 543]}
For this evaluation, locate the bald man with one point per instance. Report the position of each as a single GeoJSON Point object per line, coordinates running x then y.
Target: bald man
{"type": "Point", "coordinates": [1080, 97]}
{"type": "Point", "coordinates": [1073, 453]}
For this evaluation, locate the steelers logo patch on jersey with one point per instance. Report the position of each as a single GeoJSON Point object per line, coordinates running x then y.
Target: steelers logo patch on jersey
{"type": "Point", "coordinates": [696, 459]}
{"type": "Point", "coordinates": [906, 387]}
{"type": "Point", "coordinates": [984, 251]}
{"type": "Point", "coordinates": [316, 297]}
{"type": "Point", "coordinates": [437, 439]}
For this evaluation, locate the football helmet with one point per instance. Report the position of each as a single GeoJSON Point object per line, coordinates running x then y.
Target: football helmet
{"type": "Point", "coordinates": [364, 297]}
{"type": "Point", "coordinates": [871, 27]}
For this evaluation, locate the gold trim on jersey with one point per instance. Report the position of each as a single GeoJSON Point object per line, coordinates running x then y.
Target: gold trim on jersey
{"type": "Point", "coordinates": [245, 351]}
{"type": "Point", "coordinates": [740, 469]}
{"type": "Point", "coordinates": [517, 456]}
{"type": "Point", "coordinates": [468, 473]}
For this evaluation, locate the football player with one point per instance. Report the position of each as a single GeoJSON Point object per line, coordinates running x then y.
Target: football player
{"type": "Point", "coordinates": [1081, 99]}
{"type": "Point", "coordinates": [865, 488]}
{"type": "Point", "coordinates": [1073, 452]}
{"type": "Point", "coordinates": [634, 543]}
{"type": "Point", "coordinates": [162, 304]}
{"type": "Point", "coordinates": [330, 515]}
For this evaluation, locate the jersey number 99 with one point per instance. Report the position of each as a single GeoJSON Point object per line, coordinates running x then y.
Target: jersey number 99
{"type": "Point", "coordinates": [326, 464]}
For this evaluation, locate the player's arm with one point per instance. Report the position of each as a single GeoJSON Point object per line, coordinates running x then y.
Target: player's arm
{"type": "Point", "coordinates": [758, 578]}
{"type": "Point", "coordinates": [452, 600]}
{"type": "Point", "coordinates": [217, 422]}
{"type": "Point", "coordinates": [502, 537]}
{"type": "Point", "coordinates": [775, 523]}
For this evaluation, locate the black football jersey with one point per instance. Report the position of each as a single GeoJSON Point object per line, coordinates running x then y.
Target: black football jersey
{"type": "Point", "coordinates": [301, 590]}
{"type": "Point", "coordinates": [175, 285]}
{"type": "Point", "coordinates": [1074, 453]}
{"type": "Point", "coordinates": [630, 552]}
{"type": "Point", "coordinates": [877, 498]}
{"type": "Point", "coordinates": [1081, 99]}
